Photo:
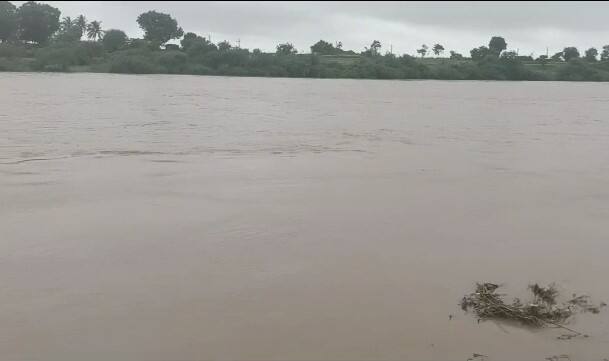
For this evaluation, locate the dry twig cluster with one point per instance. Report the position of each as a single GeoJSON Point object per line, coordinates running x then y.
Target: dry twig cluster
{"type": "Point", "coordinates": [542, 311]}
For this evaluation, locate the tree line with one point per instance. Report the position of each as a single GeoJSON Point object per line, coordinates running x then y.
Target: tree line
{"type": "Point", "coordinates": [35, 37]}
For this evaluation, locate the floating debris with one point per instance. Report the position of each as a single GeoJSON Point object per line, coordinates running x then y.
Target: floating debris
{"type": "Point", "coordinates": [559, 358]}
{"type": "Point", "coordinates": [570, 336]}
{"type": "Point", "coordinates": [542, 311]}
{"type": "Point", "coordinates": [583, 302]}
{"type": "Point", "coordinates": [478, 357]}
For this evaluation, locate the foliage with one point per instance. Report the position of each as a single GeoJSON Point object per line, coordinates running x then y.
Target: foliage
{"type": "Point", "coordinates": [114, 39]}
{"type": "Point", "coordinates": [159, 28]}
{"type": "Point", "coordinates": [509, 55]}
{"type": "Point", "coordinates": [558, 56]}
{"type": "Point", "coordinates": [8, 21]}
{"type": "Point", "coordinates": [579, 70]}
{"type": "Point", "coordinates": [224, 45]}
{"type": "Point", "coordinates": [496, 45]}
{"type": "Point", "coordinates": [570, 53]}
{"type": "Point", "coordinates": [376, 47]}
{"type": "Point", "coordinates": [196, 45]}
{"type": "Point", "coordinates": [37, 22]}
{"type": "Point", "coordinates": [69, 34]}
{"type": "Point", "coordinates": [173, 61]}
{"type": "Point", "coordinates": [423, 50]}
{"type": "Point", "coordinates": [286, 49]}
{"type": "Point", "coordinates": [188, 40]}
{"type": "Point", "coordinates": [455, 56]}
{"type": "Point", "coordinates": [11, 50]}
{"type": "Point", "coordinates": [323, 47]}
{"type": "Point", "coordinates": [94, 30]}
{"type": "Point", "coordinates": [66, 23]}
{"type": "Point", "coordinates": [135, 61]}
{"type": "Point", "coordinates": [438, 49]}
{"type": "Point", "coordinates": [374, 50]}
{"type": "Point", "coordinates": [479, 53]}
{"type": "Point", "coordinates": [605, 53]}
{"type": "Point", "coordinates": [61, 56]}
{"type": "Point", "coordinates": [591, 54]}
{"type": "Point", "coordinates": [197, 55]}
{"type": "Point", "coordinates": [81, 22]}
{"type": "Point", "coordinates": [542, 59]}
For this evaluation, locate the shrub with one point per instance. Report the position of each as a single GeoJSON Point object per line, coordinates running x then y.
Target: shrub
{"type": "Point", "coordinates": [114, 40]}
{"type": "Point", "coordinates": [135, 64]}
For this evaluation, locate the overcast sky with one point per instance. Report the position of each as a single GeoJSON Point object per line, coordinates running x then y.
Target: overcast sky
{"type": "Point", "coordinates": [528, 27]}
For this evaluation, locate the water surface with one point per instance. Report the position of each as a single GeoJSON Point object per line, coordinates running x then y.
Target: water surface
{"type": "Point", "coordinates": [199, 218]}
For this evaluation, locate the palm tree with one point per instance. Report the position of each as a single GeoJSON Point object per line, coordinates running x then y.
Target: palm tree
{"type": "Point", "coordinates": [94, 30]}
{"type": "Point", "coordinates": [81, 22]}
{"type": "Point", "coordinates": [66, 23]}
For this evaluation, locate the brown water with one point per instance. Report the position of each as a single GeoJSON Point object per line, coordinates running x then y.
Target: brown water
{"type": "Point", "coordinates": [203, 218]}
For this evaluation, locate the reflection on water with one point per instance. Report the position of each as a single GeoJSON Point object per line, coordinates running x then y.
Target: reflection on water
{"type": "Point", "coordinates": [178, 217]}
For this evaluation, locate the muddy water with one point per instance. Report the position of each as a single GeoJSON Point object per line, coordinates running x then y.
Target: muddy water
{"type": "Point", "coordinates": [201, 218]}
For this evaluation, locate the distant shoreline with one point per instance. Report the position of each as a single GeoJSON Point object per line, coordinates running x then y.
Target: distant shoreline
{"type": "Point", "coordinates": [308, 66]}
{"type": "Point", "coordinates": [284, 77]}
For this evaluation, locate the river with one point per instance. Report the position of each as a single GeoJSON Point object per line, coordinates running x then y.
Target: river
{"type": "Point", "coordinates": [217, 218]}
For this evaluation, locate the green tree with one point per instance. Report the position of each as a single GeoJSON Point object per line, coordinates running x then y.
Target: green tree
{"type": "Point", "coordinates": [37, 22]}
{"type": "Point", "coordinates": [570, 52]}
{"type": "Point", "coordinates": [542, 59]}
{"type": "Point", "coordinates": [605, 53]}
{"type": "Point", "coordinates": [114, 39]}
{"type": "Point", "coordinates": [94, 30]}
{"type": "Point", "coordinates": [66, 23]}
{"type": "Point", "coordinates": [496, 45]}
{"type": "Point", "coordinates": [188, 40]}
{"type": "Point", "coordinates": [8, 21]}
{"type": "Point", "coordinates": [286, 49]}
{"type": "Point", "coordinates": [159, 28]}
{"type": "Point", "coordinates": [375, 47]}
{"type": "Point", "coordinates": [194, 44]}
{"type": "Point", "coordinates": [455, 56]}
{"type": "Point", "coordinates": [479, 53]}
{"type": "Point", "coordinates": [438, 49]}
{"type": "Point", "coordinates": [510, 55]}
{"type": "Point", "coordinates": [224, 45]}
{"type": "Point", "coordinates": [558, 56]}
{"type": "Point", "coordinates": [423, 50]}
{"type": "Point", "coordinates": [70, 35]}
{"type": "Point", "coordinates": [591, 54]}
{"type": "Point", "coordinates": [324, 48]}
{"type": "Point", "coordinates": [81, 22]}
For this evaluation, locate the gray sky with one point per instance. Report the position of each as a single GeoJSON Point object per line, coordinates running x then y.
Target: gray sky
{"type": "Point", "coordinates": [528, 27]}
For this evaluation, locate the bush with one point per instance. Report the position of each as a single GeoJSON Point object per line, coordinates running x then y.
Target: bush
{"type": "Point", "coordinates": [7, 64]}
{"type": "Point", "coordinates": [198, 69]}
{"type": "Point", "coordinates": [449, 72]}
{"type": "Point", "coordinates": [134, 64]}
{"type": "Point", "coordinates": [114, 40]}
{"type": "Point", "coordinates": [173, 61]}
{"type": "Point", "coordinates": [62, 56]}
{"type": "Point", "coordinates": [579, 70]}
{"type": "Point", "coordinates": [8, 50]}
{"type": "Point", "coordinates": [139, 44]}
